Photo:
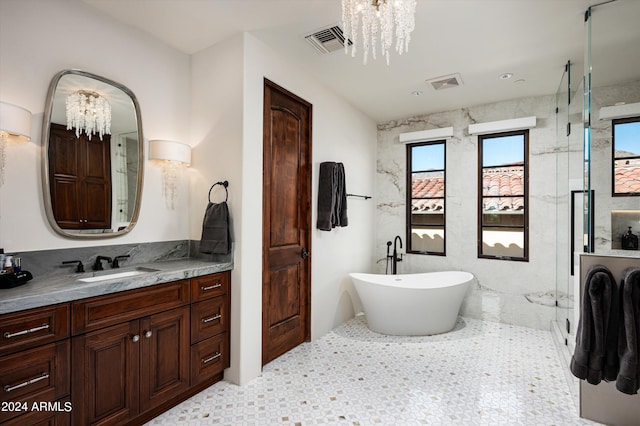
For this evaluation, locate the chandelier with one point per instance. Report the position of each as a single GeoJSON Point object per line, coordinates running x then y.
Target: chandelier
{"type": "Point", "coordinates": [383, 18]}
{"type": "Point", "coordinates": [88, 112]}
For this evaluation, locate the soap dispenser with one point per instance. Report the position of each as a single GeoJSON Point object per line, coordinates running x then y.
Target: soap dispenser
{"type": "Point", "coordinates": [629, 241]}
{"type": "Point", "coordinates": [8, 264]}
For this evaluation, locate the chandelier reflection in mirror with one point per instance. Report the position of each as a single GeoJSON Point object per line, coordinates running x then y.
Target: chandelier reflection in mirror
{"type": "Point", "coordinates": [383, 18]}
{"type": "Point", "coordinates": [88, 112]}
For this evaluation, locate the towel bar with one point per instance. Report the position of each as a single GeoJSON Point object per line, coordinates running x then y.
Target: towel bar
{"type": "Point", "coordinates": [366, 197]}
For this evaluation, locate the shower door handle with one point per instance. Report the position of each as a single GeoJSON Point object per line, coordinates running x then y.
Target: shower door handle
{"type": "Point", "coordinates": [305, 253]}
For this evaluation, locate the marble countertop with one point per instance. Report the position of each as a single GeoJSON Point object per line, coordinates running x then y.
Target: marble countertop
{"type": "Point", "coordinates": [42, 291]}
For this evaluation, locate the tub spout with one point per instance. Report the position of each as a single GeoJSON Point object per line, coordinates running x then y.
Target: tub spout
{"type": "Point", "coordinates": [395, 259]}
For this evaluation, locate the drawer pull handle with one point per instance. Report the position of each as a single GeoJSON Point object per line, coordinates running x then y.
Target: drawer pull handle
{"type": "Point", "coordinates": [148, 334]}
{"type": "Point", "coordinates": [8, 388]}
{"type": "Point", "coordinates": [8, 335]}
{"type": "Point", "coordinates": [136, 338]}
{"type": "Point", "coordinates": [211, 358]}
{"type": "Point", "coordinates": [211, 287]}
{"type": "Point", "coordinates": [213, 318]}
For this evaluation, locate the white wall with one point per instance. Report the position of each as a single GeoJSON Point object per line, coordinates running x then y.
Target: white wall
{"type": "Point", "coordinates": [340, 133]}
{"type": "Point", "coordinates": [217, 103]}
{"type": "Point", "coordinates": [39, 38]}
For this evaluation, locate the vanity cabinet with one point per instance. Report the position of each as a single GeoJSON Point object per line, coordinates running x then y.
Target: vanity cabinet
{"type": "Point", "coordinates": [209, 326]}
{"type": "Point", "coordinates": [138, 361]}
{"type": "Point", "coordinates": [35, 366]}
{"type": "Point", "coordinates": [130, 368]}
{"type": "Point", "coordinates": [120, 358]}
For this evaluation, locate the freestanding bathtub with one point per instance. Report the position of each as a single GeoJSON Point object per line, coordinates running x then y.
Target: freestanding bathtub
{"type": "Point", "coordinates": [412, 304]}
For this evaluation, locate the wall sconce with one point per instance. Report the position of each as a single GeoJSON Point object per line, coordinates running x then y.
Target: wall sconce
{"type": "Point", "coordinates": [172, 157]}
{"type": "Point", "coordinates": [15, 126]}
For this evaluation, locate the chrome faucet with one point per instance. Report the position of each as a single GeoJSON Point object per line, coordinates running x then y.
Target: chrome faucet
{"type": "Point", "coordinates": [394, 257]}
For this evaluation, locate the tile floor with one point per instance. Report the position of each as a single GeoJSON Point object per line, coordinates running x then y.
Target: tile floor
{"type": "Point", "coordinates": [481, 373]}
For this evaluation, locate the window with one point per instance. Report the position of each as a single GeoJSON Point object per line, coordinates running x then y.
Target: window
{"type": "Point", "coordinates": [626, 156]}
{"type": "Point", "coordinates": [426, 198]}
{"type": "Point", "coordinates": [502, 197]}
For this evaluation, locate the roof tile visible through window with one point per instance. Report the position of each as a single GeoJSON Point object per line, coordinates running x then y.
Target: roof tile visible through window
{"type": "Point", "coordinates": [627, 176]}
{"type": "Point", "coordinates": [430, 186]}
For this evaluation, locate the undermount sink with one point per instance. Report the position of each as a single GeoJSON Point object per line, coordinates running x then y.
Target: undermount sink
{"type": "Point", "coordinates": [110, 275]}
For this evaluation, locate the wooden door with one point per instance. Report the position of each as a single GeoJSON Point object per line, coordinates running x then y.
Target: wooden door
{"type": "Point", "coordinates": [64, 177]}
{"type": "Point", "coordinates": [164, 365]}
{"type": "Point", "coordinates": [286, 270]}
{"type": "Point", "coordinates": [80, 177]}
{"type": "Point", "coordinates": [106, 371]}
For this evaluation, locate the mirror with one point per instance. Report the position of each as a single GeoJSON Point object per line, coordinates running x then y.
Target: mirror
{"type": "Point", "coordinates": [92, 156]}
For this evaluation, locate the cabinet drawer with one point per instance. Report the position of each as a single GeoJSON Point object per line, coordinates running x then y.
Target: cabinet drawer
{"type": "Point", "coordinates": [35, 375]}
{"type": "Point", "coordinates": [56, 413]}
{"type": "Point", "coordinates": [27, 329]}
{"type": "Point", "coordinates": [209, 317]}
{"type": "Point", "coordinates": [209, 286]}
{"type": "Point", "coordinates": [209, 357]}
{"type": "Point", "coordinates": [111, 309]}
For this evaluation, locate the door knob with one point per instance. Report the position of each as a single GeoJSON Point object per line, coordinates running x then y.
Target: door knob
{"type": "Point", "coordinates": [305, 253]}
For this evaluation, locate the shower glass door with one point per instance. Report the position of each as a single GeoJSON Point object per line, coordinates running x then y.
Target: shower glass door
{"type": "Point", "coordinates": [563, 96]}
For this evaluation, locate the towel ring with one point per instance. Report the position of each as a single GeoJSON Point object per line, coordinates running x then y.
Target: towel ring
{"type": "Point", "coordinates": [225, 184]}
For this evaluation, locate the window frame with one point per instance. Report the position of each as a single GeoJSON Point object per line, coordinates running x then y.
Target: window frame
{"type": "Point", "coordinates": [525, 226]}
{"type": "Point", "coordinates": [409, 197]}
{"type": "Point", "coordinates": [615, 122]}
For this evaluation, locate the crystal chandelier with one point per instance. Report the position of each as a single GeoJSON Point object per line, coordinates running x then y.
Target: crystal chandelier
{"type": "Point", "coordinates": [88, 112]}
{"type": "Point", "coordinates": [385, 18]}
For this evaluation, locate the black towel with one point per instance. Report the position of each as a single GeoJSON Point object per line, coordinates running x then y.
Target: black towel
{"type": "Point", "coordinates": [332, 196]}
{"type": "Point", "coordinates": [216, 235]}
{"type": "Point", "coordinates": [341, 196]}
{"type": "Point", "coordinates": [628, 380]}
{"type": "Point", "coordinates": [595, 355]}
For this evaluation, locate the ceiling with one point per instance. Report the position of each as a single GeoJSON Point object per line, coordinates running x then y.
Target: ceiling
{"type": "Point", "coordinates": [479, 39]}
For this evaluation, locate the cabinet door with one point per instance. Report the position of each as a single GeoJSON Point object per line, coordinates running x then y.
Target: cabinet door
{"type": "Point", "coordinates": [105, 384]}
{"type": "Point", "coordinates": [164, 363]}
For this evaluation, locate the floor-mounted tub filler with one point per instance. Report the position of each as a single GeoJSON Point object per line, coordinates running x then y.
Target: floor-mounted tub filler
{"type": "Point", "coordinates": [412, 304]}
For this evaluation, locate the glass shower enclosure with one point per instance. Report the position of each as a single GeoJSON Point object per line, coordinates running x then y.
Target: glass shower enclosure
{"type": "Point", "coordinates": [588, 214]}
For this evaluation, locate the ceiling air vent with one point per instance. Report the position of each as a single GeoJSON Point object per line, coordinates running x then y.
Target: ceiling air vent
{"type": "Point", "coordinates": [446, 81]}
{"type": "Point", "coordinates": [327, 40]}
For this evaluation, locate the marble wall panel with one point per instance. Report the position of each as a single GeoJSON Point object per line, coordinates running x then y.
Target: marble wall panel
{"type": "Point", "coordinates": [521, 293]}
{"type": "Point", "coordinates": [601, 152]}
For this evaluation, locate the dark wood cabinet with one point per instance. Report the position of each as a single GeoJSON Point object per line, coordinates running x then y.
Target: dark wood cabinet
{"type": "Point", "coordinates": [105, 386]}
{"type": "Point", "coordinates": [80, 179]}
{"type": "Point", "coordinates": [116, 359]}
{"type": "Point", "coordinates": [164, 359]}
{"type": "Point", "coordinates": [33, 376]}
{"type": "Point", "coordinates": [130, 368]}
{"type": "Point", "coordinates": [35, 366]}
{"type": "Point", "coordinates": [34, 327]}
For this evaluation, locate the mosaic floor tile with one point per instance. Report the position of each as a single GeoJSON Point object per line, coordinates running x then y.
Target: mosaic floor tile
{"type": "Point", "coordinates": [480, 373]}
